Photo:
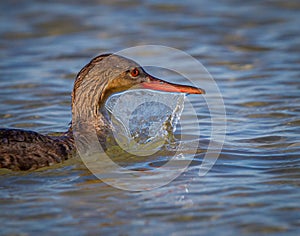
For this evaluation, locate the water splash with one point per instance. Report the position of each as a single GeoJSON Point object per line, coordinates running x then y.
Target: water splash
{"type": "Point", "coordinates": [144, 116]}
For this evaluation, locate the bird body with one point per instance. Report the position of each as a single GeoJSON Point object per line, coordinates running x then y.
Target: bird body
{"type": "Point", "coordinates": [26, 150]}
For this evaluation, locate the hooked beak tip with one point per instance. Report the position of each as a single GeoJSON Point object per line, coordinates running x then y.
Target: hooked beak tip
{"type": "Point", "coordinates": [202, 91]}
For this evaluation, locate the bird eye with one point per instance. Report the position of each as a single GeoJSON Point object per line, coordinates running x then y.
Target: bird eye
{"type": "Point", "coordinates": [135, 72]}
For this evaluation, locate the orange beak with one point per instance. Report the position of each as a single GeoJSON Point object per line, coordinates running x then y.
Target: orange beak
{"type": "Point", "coordinates": [161, 85]}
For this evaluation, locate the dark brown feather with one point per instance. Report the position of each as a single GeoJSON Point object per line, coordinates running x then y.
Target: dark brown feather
{"type": "Point", "coordinates": [28, 150]}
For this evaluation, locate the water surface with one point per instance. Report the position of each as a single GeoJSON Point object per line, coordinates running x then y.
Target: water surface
{"type": "Point", "coordinates": [252, 50]}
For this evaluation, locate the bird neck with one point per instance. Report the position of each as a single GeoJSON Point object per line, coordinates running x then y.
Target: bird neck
{"type": "Point", "coordinates": [88, 112]}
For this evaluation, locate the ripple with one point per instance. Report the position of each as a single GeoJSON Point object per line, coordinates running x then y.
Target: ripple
{"type": "Point", "coordinates": [250, 48]}
{"type": "Point", "coordinates": [270, 115]}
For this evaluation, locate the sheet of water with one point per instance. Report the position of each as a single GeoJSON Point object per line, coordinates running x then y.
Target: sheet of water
{"type": "Point", "coordinates": [144, 116]}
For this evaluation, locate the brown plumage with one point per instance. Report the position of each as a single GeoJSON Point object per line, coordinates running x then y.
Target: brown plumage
{"type": "Point", "coordinates": [103, 76]}
{"type": "Point", "coordinates": [26, 150]}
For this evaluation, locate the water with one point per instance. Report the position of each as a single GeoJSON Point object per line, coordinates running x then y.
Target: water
{"type": "Point", "coordinates": [252, 51]}
{"type": "Point", "coordinates": [147, 119]}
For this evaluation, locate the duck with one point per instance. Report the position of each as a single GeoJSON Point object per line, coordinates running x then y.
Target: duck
{"type": "Point", "coordinates": [104, 75]}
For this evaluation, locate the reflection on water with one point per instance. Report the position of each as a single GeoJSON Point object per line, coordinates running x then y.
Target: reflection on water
{"type": "Point", "coordinates": [252, 51]}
